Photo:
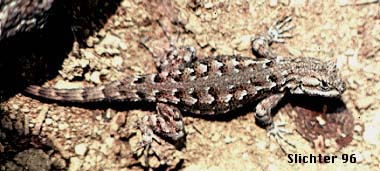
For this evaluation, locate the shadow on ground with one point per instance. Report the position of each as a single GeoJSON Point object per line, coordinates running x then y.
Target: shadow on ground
{"type": "Point", "coordinates": [36, 55]}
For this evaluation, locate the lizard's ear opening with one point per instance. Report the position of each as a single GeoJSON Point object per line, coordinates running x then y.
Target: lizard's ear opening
{"type": "Point", "coordinates": [331, 65]}
{"type": "Point", "coordinates": [331, 69]}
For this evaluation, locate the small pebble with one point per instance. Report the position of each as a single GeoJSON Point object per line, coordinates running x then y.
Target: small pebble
{"type": "Point", "coordinates": [208, 5]}
{"type": "Point", "coordinates": [80, 149]}
{"type": "Point", "coordinates": [95, 77]}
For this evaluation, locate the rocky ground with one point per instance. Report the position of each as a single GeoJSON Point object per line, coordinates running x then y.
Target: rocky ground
{"type": "Point", "coordinates": [40, 135]}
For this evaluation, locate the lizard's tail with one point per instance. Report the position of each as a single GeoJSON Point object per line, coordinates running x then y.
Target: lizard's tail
{"type": "Point", "coordinates": [129, 89]}
{"type": "Point", "coordinates": [89, 94]}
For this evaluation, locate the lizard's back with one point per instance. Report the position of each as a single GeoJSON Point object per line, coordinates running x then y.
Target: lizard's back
{"type": "Point", "coordinates": [212, 85]}
{"type": "Point", "coordinates": [207, 86]}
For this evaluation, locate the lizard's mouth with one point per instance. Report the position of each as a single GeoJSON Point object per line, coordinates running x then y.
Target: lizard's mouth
{"type": "Point", "coordinates": [331, 93]}
{"type": "Point", "coordinates": [317, 92]}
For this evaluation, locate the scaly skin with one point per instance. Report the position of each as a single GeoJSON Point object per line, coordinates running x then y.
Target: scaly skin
{"type": "Point", "coordinates": [213, 86]}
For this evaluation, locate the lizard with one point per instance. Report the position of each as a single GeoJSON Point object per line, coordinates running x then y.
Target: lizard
{"type": "Point", "coordinates": [213, 85]}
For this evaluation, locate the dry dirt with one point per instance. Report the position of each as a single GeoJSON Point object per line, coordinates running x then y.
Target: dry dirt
{"type": "Point", "coordinates": [41, 135]}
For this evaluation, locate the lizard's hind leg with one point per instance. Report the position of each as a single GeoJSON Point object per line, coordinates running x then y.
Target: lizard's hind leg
{"type": "Point", "coordinates": [166, 123]}
{"type": "Point", "coordinates": [171, 59]}
{"type": "Point", "coordinates": [176, 59]}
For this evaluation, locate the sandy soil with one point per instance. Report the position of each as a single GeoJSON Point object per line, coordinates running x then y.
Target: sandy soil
{"type": "Point", "coordinates": [40, 135]}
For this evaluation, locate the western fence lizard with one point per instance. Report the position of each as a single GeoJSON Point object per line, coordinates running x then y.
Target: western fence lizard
{"type": "Point", "coordinates": [212, 86]}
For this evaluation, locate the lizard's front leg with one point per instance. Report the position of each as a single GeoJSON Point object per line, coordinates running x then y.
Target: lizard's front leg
{"type": "Point", "coordinates": [276, 34]}
{"type": "Point", "coordinates": [264, 109]}
{"type": "Point", "coordinates": [264, 116]}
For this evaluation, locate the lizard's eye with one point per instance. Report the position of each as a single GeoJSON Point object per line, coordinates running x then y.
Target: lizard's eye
{"type": "Point", "coordinates": [324, 83]}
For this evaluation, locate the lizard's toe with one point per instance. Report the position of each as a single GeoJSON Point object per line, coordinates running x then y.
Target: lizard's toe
{"type": "Point", "coordinates": [278, 132]}
{"type": "Point", "coordinates": [278, 33]}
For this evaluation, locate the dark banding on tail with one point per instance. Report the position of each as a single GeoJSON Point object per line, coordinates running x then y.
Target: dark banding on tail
{"type": "Point", "coordinates": [136, 88]}
{"type": "Point", "coordinates": [90, 94]}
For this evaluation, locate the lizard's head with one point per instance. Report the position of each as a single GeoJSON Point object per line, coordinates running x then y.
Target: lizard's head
{"type": "Point", "coordinates": [318, 78]}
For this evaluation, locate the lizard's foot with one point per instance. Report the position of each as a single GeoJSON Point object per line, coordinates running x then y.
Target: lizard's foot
{"type": "Point", "coordinates": [278, 132]}
{"type": "Point", "coordinates": [144, 146]}
{"type": "Point", "coordinates": [278, 33]}
{"type": "Point", "coordinates": [275, 34]}
{"type": "Point", "coordinates": [156, 154]}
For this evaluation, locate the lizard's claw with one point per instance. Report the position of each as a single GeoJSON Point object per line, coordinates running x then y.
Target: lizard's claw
{"type": "Point", "coordinates": [278, 132]}
{"type": "Point", "coordinates": [275, 34]}
{"type": "Point", "coordinates": [144, 149]}
{"type": "Point", "coordinates": [278, 33]}
{"type": "Point", "coordinates": [144, 146]}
